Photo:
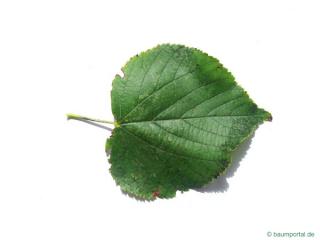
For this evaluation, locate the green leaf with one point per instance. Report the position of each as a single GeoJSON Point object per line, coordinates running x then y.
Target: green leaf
{"type": "Point", "coordinates": [179, 116]}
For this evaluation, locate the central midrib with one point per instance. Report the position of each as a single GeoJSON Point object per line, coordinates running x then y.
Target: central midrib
{"type": "Point", "coordinates": [177, 119]}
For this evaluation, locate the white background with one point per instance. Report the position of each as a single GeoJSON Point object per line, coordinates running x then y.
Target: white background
{"type": "Point", "coordinates": [61, 56]}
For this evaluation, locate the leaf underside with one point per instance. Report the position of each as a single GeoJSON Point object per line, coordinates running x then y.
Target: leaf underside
{"type": "Point", "coordinates": [180, 114]}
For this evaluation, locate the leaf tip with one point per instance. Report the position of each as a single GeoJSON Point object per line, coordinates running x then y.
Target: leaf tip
{"type": "Point", "coordinates": [268, 117]}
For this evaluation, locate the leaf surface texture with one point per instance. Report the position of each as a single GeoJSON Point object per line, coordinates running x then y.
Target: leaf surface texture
{"type": "Point", "coordinates": [180, 114]}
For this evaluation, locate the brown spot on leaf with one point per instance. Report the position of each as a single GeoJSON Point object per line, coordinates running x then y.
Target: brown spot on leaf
{"type": "Point", "coordinates": [156, 194]}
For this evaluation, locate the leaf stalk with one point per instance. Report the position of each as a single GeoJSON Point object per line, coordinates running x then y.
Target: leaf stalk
{"type": "Point", "coordinates": [84, 118]}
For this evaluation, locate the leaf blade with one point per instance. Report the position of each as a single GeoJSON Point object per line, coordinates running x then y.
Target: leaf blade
{"type": "Point", "coordinates": [180, 116]}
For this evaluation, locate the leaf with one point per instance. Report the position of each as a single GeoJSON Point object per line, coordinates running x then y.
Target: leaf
{"type": "Point", "coordinates": [179, 116]}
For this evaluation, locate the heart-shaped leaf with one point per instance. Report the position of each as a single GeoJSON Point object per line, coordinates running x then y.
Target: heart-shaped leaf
{"type": "Point", "coordinates": [179, 115]}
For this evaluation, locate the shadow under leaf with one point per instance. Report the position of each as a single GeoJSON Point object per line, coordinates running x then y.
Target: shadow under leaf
{"type": "Point", "coordinates": [221, 184]}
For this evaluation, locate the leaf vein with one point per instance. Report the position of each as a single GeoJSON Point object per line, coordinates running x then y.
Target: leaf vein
{"type": "Point", "coordinates": [209, 99]}
{"type": "Point", "coordinates": [187, 139]}
{"type": "Point", "coordinates": [163, 150]}
{"type": "Point", "coordinates": [206, 130]}
{"type": "Point", "coordinates": [184, 96]}
{"type": "Point", "coordinates": [156, 92]}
